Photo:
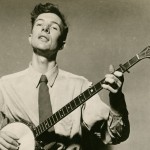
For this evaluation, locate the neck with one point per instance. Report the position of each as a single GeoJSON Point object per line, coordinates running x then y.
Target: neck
{"type": "Point", "coordinates": [42, 64]}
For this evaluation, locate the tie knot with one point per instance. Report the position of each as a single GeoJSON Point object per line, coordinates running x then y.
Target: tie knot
{"type": "Point", "coordinates": [43, 79]}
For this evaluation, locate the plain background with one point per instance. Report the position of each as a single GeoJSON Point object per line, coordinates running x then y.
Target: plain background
{"type": "Point", "coordinates": [101, 32]}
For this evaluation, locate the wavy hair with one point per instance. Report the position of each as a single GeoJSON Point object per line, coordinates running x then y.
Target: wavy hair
{"type": "Point", "coordinates": [51, 8]}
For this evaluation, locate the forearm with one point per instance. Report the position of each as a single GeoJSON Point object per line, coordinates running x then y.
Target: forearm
{"type": "Point", "coordinates": [118, 127]}
{"type": "Point", "coordinates": [117, 103]}
{"type": "Point", "coordinates": [111, 125]}
{"type": "Point", "coordinates": [118, 122]}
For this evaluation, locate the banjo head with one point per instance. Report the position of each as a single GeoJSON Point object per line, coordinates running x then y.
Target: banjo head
{"type": "Point", "coordinates": [24, 133]}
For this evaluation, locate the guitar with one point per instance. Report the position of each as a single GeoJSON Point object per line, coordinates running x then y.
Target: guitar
{"type": "Point", "coordinates": [28, 137]}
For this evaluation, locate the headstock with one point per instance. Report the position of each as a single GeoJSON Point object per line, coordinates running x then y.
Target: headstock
{"type": "Point", "coordinates": [145, 53]}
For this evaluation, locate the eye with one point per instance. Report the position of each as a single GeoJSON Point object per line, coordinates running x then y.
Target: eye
{"type": "Point", "coordinates": [38, 24]}
{"type": "Point", "coordinates": [54, 27]}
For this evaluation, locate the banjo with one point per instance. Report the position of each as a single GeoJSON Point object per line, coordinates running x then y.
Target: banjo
{"type": "Point", "coordinates": [28, 136]}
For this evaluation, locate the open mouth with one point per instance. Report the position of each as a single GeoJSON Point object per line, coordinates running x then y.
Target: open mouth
{"type": "Point", "coordinates": [43, 38]}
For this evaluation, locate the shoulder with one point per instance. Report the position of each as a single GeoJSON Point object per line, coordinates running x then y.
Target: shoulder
{"type": "Point", "coordinates": [69, 75]}
{"type": "Point", "coordinates": [14, 76]}
{"type": "Point", "coordinates": [73, 78]}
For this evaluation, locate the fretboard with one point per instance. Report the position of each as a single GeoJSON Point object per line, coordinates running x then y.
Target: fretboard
{"type": "Point", "coordinates": [79, 100]}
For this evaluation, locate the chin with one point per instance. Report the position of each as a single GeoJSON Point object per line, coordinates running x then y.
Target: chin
{"type": "Point", "coordinates": [49, 54]}
{"type": "Point", "coordinates": [44, 48]}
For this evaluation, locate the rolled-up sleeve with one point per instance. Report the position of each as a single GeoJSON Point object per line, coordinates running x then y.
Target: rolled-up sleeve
{"type": "Point", "coordinates": [3, 119]}
{"type": "Point", "coordinates": [118, 128]}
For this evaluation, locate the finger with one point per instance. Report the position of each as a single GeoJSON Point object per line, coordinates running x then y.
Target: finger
{"type": "Point", "coordinates": [111, 69]}
{"type": "Point", "coordinates": [110, 78]}
{"type": "Point", "coordinates": [6, 145]}
{"type": "Point", "coordinates": [109, 88]}
{"type": "Point", "coordinates": [112, 81]}
{"type": "Point", "coordinates": [11, 135]}
{"type": "Point", "coordinates": [2, 147]}
{"type": "Point", "coordinates": [113, 85]}
{"type": "Point", "coordinates": [9, 138]}
{"type": "Point", "coordinates": [118, 74]}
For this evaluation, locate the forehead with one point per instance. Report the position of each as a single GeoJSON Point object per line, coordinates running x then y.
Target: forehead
{"type": "Point", "coordinates": [50, 17]}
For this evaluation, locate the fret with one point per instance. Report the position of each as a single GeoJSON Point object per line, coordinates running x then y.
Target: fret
{"type": "Point", "coordinates": [65, 110]}
{"type": "Point", "coordinates": [46, 124]}
{"type": "Point", "coordinates": [40, 130]}
{"type": "Point", "coordinates": [133, 60]}
{"type": "Point", "coordinates": [87, 94]}
{"type": "Point", "coordinates": [58, 115]}
{"type": "Point", "coordinates": [42, 127]}
{"type": "Point", "coordinates": [82, 98]}
{"type": "Point", "coordinates": [35, 131]}
{"type": "Point", "coordinates": [52, 121]}
{"type": "Point", "coordinates": [54, 117]}
{"type": "Point", "coordinates": [92, 90]}
{"type": "Point", "coordinates": [61, 112]}
{"type": "Point", "coordinates": [98, 86]}
{"type": "Point", "coordinates": [73, 105]}
{"type": "Point", "coordinates": [126, 65]}
{"type": "Point", "coordinates": [49, 122]}
{"type": "Point", "coordinates": [68, 107]}
{"type": "Point", "coordinates": [77, 101]}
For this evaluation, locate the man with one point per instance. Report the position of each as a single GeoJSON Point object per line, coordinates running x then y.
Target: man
{"type": "Point", "coordinates": [19, 93]}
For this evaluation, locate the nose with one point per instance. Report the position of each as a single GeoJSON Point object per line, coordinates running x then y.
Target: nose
{"type": "Point", "coordinates": [46, 29]}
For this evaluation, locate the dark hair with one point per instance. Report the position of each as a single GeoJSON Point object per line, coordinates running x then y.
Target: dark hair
{"type": "Point", "coordinates": [50, 8]}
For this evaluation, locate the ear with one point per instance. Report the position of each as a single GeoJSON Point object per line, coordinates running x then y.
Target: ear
{"type": "Point", "coordinates": [63, 44]}
{"type": "Point", "coordinates": [29, 38]}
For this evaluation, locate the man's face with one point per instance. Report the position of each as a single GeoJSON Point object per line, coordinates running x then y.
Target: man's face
{"type": "Point", "coordinates": [46, 32]}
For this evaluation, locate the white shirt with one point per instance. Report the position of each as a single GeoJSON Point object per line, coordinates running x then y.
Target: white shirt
{"type": "Point", "coordinates": [19, 99]}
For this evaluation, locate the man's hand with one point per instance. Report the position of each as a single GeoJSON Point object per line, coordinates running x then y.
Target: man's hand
{"type": "Point", "coordinates": [8, 141]}
{"type": "Point", "coordinates": [113, 81]}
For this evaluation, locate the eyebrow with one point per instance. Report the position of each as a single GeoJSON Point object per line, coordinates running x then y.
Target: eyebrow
{"type": "Point", "coordinates": [51, 21]}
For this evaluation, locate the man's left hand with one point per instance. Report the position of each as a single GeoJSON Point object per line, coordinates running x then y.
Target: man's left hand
{"type": "Point", "coordinates": [113, 82]}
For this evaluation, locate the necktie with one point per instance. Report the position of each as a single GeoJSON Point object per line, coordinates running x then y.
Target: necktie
{"type": "Point", "coordinates": [45, 111]}
{"type": "Point", "coordinates": [45, 108]}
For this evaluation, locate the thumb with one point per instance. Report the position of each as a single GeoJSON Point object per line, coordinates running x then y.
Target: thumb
{"type": "Point", "coordinates": [111, 69]}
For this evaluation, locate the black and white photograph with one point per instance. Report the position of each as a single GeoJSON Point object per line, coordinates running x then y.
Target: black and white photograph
{"type": "Point", "coordinates": [74, 74]}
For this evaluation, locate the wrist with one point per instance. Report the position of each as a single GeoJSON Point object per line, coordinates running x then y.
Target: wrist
{"type": "Point", "coordinates": [117, 103]}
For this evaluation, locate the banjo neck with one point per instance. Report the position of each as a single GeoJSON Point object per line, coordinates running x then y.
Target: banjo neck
{"type": "Point", "coordinates": [83, 97]}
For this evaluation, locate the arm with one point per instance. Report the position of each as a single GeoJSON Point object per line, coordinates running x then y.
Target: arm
{"type": "Point", "coordinates": [118, 123]}
{"type": "Point", "coordinates": [7, 139]}
{"type": "Point", "coordinates": [110, 124]}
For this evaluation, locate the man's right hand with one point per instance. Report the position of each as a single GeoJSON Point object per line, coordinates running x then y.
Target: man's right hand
{"type": "Point", "coordinates": [8, 141]}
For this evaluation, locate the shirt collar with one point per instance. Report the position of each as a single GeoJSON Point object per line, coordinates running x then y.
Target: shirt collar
{"type": "Point", "coordinates": [51, 75]}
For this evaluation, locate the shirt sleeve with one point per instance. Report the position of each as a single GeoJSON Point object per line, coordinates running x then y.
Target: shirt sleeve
{"type": "Point", "coordinates": [106, 125]}
{"type": "Point", "coordinates": [3, 119]}
{"type": "Point", "coordinates": [1, 96]}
